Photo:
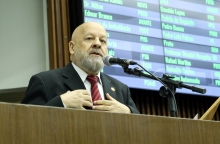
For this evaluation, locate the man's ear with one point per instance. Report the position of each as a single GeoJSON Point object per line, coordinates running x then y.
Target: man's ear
{"type": "Point", "coordinates": [71, 47]}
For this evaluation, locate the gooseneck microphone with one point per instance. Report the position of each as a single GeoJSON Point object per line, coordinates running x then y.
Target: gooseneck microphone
{"type": "Point", "coordinates": [110, 60]}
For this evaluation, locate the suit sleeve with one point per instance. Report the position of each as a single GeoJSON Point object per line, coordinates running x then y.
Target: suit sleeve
{"type": "Point", "coordinates": [130, 103]}
{"type": "Point", "coordinates": [37, 94]}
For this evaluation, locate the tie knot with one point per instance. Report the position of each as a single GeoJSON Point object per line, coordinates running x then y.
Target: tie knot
{"type": "Point", "coordinates": [92, 79]}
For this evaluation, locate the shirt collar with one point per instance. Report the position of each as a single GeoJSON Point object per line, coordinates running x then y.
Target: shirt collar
{"type": "Point", "coordinates": [83, 74]}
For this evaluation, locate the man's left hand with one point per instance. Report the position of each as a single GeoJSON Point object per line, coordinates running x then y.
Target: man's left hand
{"type": "Point", "coordinates": [110, 105]}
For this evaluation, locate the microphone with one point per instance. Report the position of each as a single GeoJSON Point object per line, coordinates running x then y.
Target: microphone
{"type": "Point", "coordinates": [110, 60]}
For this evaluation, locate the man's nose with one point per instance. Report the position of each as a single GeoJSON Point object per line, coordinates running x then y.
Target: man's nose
{"type": "Point", "coordinates": [97, 43]}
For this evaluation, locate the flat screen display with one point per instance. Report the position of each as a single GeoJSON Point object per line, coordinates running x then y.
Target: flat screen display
{"type": "Point", "coordinates": [176, 37]}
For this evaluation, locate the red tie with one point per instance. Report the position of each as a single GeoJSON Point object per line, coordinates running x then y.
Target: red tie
{"type": "Point", "coordinates": [94, 87]}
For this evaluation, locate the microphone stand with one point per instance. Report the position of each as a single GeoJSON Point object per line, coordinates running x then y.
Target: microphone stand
{"type": "Point", "coordinates": [169, 88]}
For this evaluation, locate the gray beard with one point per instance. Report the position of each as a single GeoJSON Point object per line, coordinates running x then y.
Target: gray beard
{"type": "Point", "coordinates": [88, 63]}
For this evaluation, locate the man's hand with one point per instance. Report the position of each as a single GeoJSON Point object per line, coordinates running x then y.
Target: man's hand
{"type": "Point", "coordinates": [76, 99]}
{"type": "Point", "coordinates": [110, 105]}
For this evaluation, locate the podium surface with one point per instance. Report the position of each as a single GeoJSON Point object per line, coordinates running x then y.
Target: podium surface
{"type": "Point", "coordinates": [44, 125]}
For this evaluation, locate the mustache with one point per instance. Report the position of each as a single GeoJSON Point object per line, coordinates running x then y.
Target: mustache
{"type": "Point", "coordinates": [96, 51]}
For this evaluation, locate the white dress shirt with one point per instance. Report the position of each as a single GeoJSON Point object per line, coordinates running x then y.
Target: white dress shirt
{"type": "Point", "coordinates": [87, 84]}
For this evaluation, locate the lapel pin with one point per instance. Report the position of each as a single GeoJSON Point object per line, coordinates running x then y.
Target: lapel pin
{"type": "Point", "coordinates": [113, 89]}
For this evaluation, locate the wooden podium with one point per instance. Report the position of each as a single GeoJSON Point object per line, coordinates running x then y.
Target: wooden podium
{"type": "Point", "coordinates": [27, 124]}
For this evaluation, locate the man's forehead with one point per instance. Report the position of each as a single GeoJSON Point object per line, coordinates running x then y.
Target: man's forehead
{"type": "Point", "coordinates": [93, 28]}
{"type": "Point", "coordinates": [90, 28]}
{"type": "Point", "coordinates": [92, 25]}
{"type": "Point", "coordinates": [96, 33]}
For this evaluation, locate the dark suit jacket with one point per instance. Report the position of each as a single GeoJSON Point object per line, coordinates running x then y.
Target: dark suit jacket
{"type": "Point", "coordinates": [45, 88]}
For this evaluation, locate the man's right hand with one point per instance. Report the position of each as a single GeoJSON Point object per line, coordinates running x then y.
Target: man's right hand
{"type": "Point", "coordinates": [76, 99]}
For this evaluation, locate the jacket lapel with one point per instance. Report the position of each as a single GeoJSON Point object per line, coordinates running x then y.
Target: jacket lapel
{"type": "Point", "coordinates": [107, 86]}
{"type": "Point", "coordinates": [73, 80]}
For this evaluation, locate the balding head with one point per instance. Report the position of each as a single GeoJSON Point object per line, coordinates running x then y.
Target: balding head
{"type": "Point", "coordinates": [88, 46]}
{"type": "Point", "coordinates": [83, 28]}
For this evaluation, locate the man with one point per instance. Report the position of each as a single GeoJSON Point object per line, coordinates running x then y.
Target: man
{"type": "Point", "coordinates": [70, 86]}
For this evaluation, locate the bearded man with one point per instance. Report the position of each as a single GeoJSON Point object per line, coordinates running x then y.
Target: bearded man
{"type": "Point", "coordinates": [80, 85]}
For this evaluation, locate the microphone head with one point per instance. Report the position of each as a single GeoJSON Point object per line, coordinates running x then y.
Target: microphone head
{"type": "Point", "coordinates": [106, 60]}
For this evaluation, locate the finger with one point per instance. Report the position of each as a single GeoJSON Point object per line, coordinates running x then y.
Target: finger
{"type": "Point", "coordinates": [82, 91]}
{"type": "Point", "coordinates": [85, 92]}
{"type": "Point", "coordinates": [86, 98]}
{"type": "Point", "coordinates": [101, 108]}
{"type": "Point", "coordinates": [87, 103]}
{"type": "Point", "coordinates": [109, 97]}
{"type": "Point", "coordinates": [103, 102]}
{"type": "Point", "coordinates": [82, 108]}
